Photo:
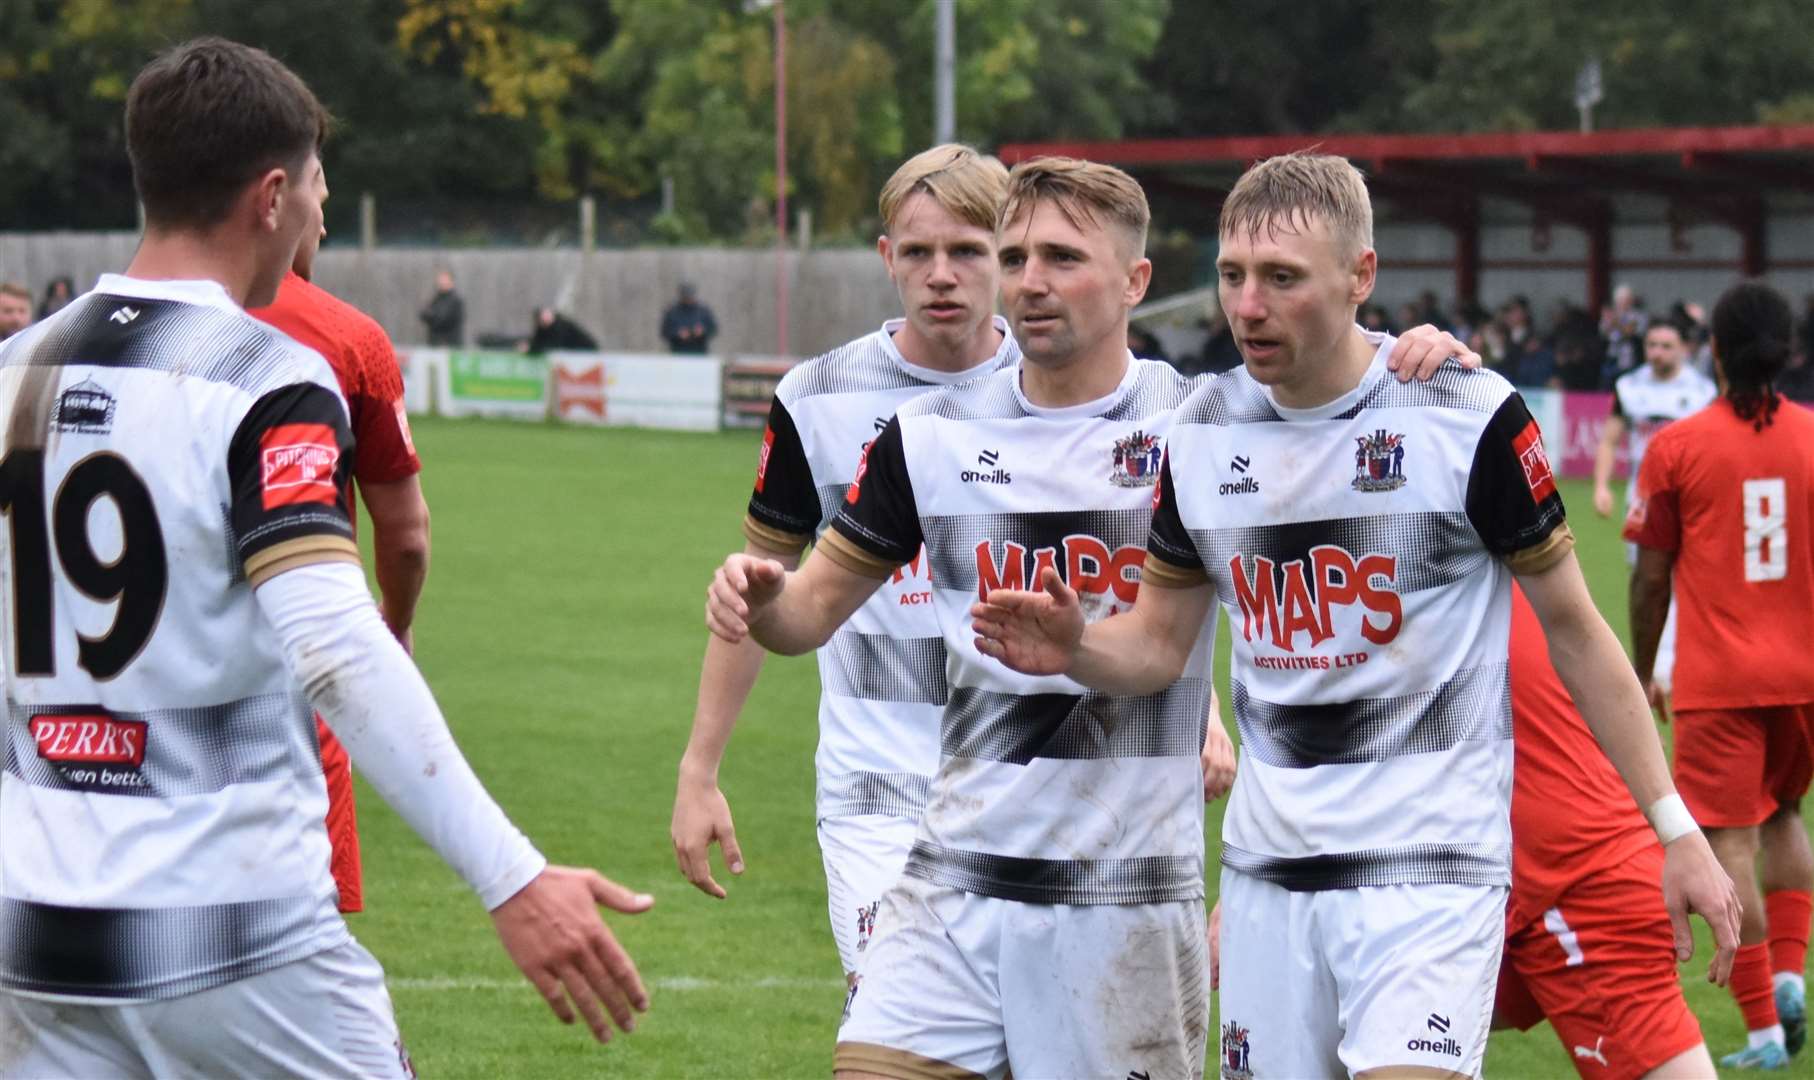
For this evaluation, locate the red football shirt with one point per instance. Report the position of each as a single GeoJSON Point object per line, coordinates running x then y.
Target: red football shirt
{"type": "Point", "coordinates": [365, 362]}
{"type": "Point", "coordinates": [1736, 505]}
{"type": "Point", "coordinates": [1571, 813]}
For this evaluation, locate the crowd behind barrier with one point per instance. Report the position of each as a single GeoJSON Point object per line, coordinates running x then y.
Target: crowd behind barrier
{"type": "Point", "coordinates": [709, 393]}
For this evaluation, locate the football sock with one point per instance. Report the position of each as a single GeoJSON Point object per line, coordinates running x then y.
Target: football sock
{"type": "Point", "coordinates": [1764, 1037]}
{"type": "Point", "coordinates": [1793, 978]}
{"type": "Point", "coordinates": [1753, 990]}
{"type": "Point", "coordinates": [1789, 912]}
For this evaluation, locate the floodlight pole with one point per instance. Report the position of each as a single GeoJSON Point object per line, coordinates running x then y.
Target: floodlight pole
{"type": "Point", "coordinates": [781, 304]}
{"type": "Point", "coordinates": [944, 63]}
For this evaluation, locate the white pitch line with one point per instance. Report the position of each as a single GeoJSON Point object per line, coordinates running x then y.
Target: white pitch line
{"type": "Point", "coordinates": [679, 983]}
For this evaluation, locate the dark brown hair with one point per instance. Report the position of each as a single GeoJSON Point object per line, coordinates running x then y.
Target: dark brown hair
{"type": "Point", "coordinates": [205, 118]}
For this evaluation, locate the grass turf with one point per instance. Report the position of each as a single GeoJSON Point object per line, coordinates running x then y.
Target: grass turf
{"type": "Point", "coordinates": [561, 631]}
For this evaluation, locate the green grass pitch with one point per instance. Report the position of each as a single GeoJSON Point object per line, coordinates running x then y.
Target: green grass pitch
{"type": "Point", "coordinates": [561, 631]}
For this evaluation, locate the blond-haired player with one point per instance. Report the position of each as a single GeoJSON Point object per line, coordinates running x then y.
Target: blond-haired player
{"type": "Point", "coordinates": [1049, 921]}
{"type": "Point", "coordinates": [1362, 535]}
{"type": "Point", "coordinates": [883, 676]}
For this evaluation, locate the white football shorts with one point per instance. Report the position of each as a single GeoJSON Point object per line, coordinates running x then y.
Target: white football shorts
{"type": "Point", "coordinates": [955, 982]}
{"type": "Point", "coordinates": [327, 1015]}
{"type": "Point", "coordinates": [1336, 982]}
{"type": "Point", "coordinates": [863, 857]}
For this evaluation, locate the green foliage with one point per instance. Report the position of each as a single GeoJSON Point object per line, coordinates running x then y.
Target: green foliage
{"type": "Point", "coordinates": [517, 101]}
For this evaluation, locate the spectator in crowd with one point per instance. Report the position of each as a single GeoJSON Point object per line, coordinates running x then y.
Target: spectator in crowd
{"type": "Point", "coordinates": [57, 294]}
{"type": "Point", "coordinates": [1372, 318]}
{"type": "Point", "coordinates": [1622, 326]}
{"type": "Point", "coordinates": [688, 326]}
{"type": "Point", "coordinates": [15, 308]}
{"type": "Point", "coordinates": [445, 315]}
{"type": "Point", "coordinates": [1429, 310]}
{"type": "Point", "coordinates": [1145, 345]}
{"type": "Point", "coordinates": [1407, 316]}
{"type": "Point", "coordinates": [555, 332]}
{"type": "Point", "coordinates": [1488, 339]}
{"type": "Point", "coordinates": [1220, 353]}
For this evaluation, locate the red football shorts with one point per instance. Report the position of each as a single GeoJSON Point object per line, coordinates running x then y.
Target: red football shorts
{"type": "Point", "coordinates": [1600, 966]}
{"type": "Point", "coordinates": [342, 820]}
{"type": "Point", "coordinates": [1734, 767]}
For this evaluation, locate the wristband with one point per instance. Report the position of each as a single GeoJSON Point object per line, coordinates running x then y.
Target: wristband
{"type": "Point", "coordinates": [1670, 818]}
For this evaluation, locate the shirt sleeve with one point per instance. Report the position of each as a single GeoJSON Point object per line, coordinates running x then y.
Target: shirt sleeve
{"type": "Point", "coordinates": [1654, 519]}
{"type": "Point", "coordinates": [784, 510]}
{"type": "Point", "coordinates": [878, 527]}
{"type": "Point", "coordinates": [1512, 498]}
{"type": "Point", "coordinates": [289, 466]}
{"type": "Point", "coordinates": [1172, 559]}
{"type": "Point", "coordinates": [380, 424]}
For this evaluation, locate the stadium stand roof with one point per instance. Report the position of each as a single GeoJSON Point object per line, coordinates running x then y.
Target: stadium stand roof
{"type": "Point", "coordinates": [1733, 176]}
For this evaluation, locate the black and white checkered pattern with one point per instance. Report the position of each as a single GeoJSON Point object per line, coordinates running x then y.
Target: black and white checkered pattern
{"type": "Point", "coordinates": [1154, 879]}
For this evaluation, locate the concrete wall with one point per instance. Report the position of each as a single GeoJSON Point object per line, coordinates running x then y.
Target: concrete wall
{"type": "Point", "coordinates": [619, 296]}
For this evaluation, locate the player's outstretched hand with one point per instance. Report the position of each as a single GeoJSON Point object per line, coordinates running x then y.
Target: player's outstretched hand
{"type": "Point", "coordinates": [702, 818]}
{"type": "Point", "coordinates": [1218, 760]}
{"type": "Point", "coordinates": [1032, 632]}
{"type": "Point", "coordinates": [741, 587]}
{"type": "Point", "coordinates": [1214, 932]}
{"type": "Point", "coordinates": [1693, 880]}
{"type": "Point", "coordinates": [552, 931]}
{"type": "Point", "coordinates": [1602, 500]}
{"type": "Point", "coordinates": [1420, 350]}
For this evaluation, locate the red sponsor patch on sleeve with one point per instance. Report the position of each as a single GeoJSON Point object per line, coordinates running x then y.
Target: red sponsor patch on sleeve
{"type": "Point", "coordinates": [856, 482]}
{"type": "Point", "coordinates": [296, 464]}
{"type": "Point", "coordinates": [768, 447]}
{"type": "Point", "coordinates": [1528, 445]}
{"type": "Point", "coordinates": [409, 442]}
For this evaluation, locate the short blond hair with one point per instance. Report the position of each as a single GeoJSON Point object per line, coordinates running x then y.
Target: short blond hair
{"type": "Point", "coordinates": [968, 185]}
{"type": "Point", "coordinates": [1082, 191]}
{"type": "Point", "coordinates": [1291, 190]}
{"type": "Point", "coordinates": [15, 290]}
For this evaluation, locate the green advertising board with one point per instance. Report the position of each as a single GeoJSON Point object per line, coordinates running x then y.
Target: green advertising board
{"type": "Point", "coordinates": [496, 384]}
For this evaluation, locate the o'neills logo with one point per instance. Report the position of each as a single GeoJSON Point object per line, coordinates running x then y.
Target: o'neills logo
{"type": "Point", "coordinates": [91, 739]}
{"type": "Point", "coordinates": [1432, 1046]}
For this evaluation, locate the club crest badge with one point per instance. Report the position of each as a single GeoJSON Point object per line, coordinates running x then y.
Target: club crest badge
{"type": "Point", "coordinates": [1235, 1065]}
{"type": "Point", "coordinates": [1136, 459]}
{"type": "Point", "coordinates": [1379, 462]}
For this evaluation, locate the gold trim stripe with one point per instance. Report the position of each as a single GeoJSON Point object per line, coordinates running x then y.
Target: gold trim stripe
{"type": "Point", "coordinates": [1535, 560]}
{"type": "Point", "coordinates": [840, 549]}
{"type": "Point", "coordinates": [262, 566]}
{"type": "Point", "coordinates": [1156, 571]}
{"type": "Point", "coordinates": [773, 539]}
{"type": "Point", "coordinates": [873, 1059]}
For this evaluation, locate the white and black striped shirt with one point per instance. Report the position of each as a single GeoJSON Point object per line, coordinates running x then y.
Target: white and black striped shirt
{"type": "Point", "coordinates": [1363, 551]}
{"type": "Point", "coordinates": [1046, 792]}
{"type": "Point", "coordinates": [882, 675]}
{"type": "Point", "coordinates": [161, 819]}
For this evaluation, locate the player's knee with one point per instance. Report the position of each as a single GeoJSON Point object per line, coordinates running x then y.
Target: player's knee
{"type": "Point", "coordinates": [1692, 1064]}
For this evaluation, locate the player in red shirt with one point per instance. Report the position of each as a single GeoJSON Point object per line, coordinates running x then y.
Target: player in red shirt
{"type": "Point", "coordinates": [385, 468]}
{"type": "Point", "coordinates": [1725, 503]}
{"type": "Point", "coordinates": [1587, 938]}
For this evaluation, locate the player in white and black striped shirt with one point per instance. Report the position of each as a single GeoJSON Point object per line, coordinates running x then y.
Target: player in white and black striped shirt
{"type": "Point", "coordinates": [1366, 570]}
{"type": "Point", "coordinates": [1050, 919]}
